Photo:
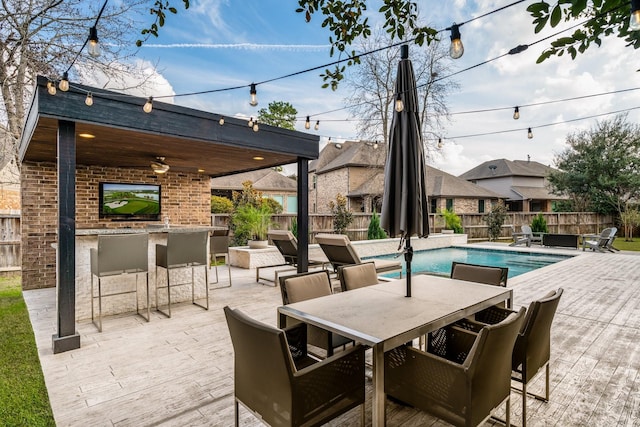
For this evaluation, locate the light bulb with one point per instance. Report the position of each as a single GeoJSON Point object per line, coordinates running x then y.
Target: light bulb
{"type": "Point", "coordinates": [440, 143]}
{"type": "Point", "coordinates": [89, 99]}
{"type": "Point", "coordinates": [634, 19]}
{"type": "Point", "coordinates": [255, 126]}
{"type": "Point", "coordinates": [64, 83]}
{"type": "Point", "coordinates": [456, 49]}
{"type": "Point", "coordinates": [51, 88]}
{"type": "Point", "coordinates": [94, 46]}
{"type": "Point", "coordinates": [250, 124]}
{"type": "Point", "coordinates": [516, 114]}
{"type": "Point", "coordinates": [148, 106]}
{"type": "Point", "coordinates": [307, 124]}
{"type": "Point", "coordinates": [529, 133]}
{"type": "Point", "coordinates": [317, 126]}
{"type": "Point", "coordinates": [254, 95]}
{"type": "Point", "coordinates": [399, 104]}
{"type": "Point", "coordinates": [221, 121]}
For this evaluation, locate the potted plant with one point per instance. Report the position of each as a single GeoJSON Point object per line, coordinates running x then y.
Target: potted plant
{"type": "Point", "coordinates": [452, 221]}
{"type": "Point", "coordinates": [253, 222]}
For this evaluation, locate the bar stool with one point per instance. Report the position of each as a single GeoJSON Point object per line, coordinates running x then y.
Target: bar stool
{"type": "Point", "coordinates": [219, 246]}
{"type": "Point", "coordinates": [183, 250]}
{"type": "Point", "coordinates": [118, 255]}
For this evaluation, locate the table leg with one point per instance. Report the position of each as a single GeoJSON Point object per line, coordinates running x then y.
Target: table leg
{"type": "Point", "coordinates": [378, 399]}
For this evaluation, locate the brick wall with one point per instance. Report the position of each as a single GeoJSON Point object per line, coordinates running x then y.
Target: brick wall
{"type": "Point", "coordinates": [329, 185]}
{"type": "Point", "coordinates": [185, 199]}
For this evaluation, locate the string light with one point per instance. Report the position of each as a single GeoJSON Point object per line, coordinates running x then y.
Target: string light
{"type": "Point", "coordinates": [250, 123]}
{"type": "Point", "coordinates": [221, 121]}
{"type": "Point", "coordinates": [255, 126]}
{"type": "Point", "coordinates": [516, 113]}
{"type": "Point", "coordinates": [254, 95]}
{"type": "Point", "coordinates": [439, 142]}
{"type": "Point", "coordinates": [307, 124]}
{"type": "Point", "coordinates": [317, 126]}
{"type": "Point", "coordinates": [529, 134]}
{"type": "Point", "coordinates": [51, 88]}
{"type": "Point", "coordinates": [634, 19]}
{"type": "Point", "coordinates": [64, 83]}
{"type": "Point", "coordinates": [148, 106]}
{"type": "Point", "coordinates": [89, 99]}
{"type": "Point", "coordinates": [456, 50]}
{"type": "Point", "coordinates": [399, 103]}
{"type": "Point", "coordinates": [94, 46]}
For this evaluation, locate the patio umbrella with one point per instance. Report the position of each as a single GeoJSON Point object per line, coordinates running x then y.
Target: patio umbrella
{"type": "Point", "coordinates": [404, 202]}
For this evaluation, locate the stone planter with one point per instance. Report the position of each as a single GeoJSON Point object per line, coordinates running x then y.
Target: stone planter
{"type": "Point", "coordinates": [446, 231]}
{"type": "Point", "coordinates": [258, 244]}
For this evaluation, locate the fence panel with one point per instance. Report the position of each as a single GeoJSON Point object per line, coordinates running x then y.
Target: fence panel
{"type": "Point", "coordinates": [10, 242]}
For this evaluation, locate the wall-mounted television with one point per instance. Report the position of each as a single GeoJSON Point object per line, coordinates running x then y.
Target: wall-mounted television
{"type": "Point", "coordinates": [130, 201]}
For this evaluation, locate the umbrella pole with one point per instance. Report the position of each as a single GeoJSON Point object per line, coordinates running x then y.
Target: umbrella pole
{"type": "Point", "coordinates": [408, 257]}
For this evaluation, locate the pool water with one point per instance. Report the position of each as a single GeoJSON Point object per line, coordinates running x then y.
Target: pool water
{"type": "Point", "coordinates": [438, 261]}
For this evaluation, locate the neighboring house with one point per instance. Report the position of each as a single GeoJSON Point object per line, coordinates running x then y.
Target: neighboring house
{"type": "Point", "coordinates": [271, 183]}
{"type": "Point", "coordinates": [356, 170]}
{"type": "Point", "coordinates": [9, 187]}
{"type": "Point", "coordinates": [522, 183]}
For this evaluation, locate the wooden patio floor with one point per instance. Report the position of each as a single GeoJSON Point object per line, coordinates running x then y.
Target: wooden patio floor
{"type": "Point", "coordinates": [179, 371]}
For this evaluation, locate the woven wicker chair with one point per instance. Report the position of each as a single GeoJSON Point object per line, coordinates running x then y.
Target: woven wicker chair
{"type": "Point", "coordinates": [532, 349]}
{"type": "Point", "coordinates": [304, 286]}
{"type": "Point", "coordinates": [340, 251]}
{"type": "Point", "coordinates": [465, 382]}
{"type": "Point", "coordinates": [488, 275]}
{"type": "Point", "coordinates": [357, 276]}
{"type": "Point", "coordinates": [285, 388]}
{"type": "Point", "coordinates": [219, 246]}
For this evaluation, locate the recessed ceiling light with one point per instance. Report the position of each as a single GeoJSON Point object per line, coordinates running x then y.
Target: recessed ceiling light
{"type": "Point", "coordinates": [86, 135]}
{"type": "Point", "coordinates": [258, 158]}
{"type": "Point", "coordinates": [200, 170]}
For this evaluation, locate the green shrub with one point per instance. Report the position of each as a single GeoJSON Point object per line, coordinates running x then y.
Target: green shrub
{"type": "Point", "coordinates": [221, 205]}
{"type": "Point", "coordinates": [251, 222]}
{"type": "Point", "coordinates": [374, 231]}
{"type": "Point", "coordinates": [495, 219]}
{"type": "Point", "coordinates": [539, 224]}
{"type": "Point", "coordinates": [452, 221]}
{"type": "Point", "coordinates": [294, 227]}
{"type": "Point", "coordinates": [274, 206]}
{"type": "Point", "coordinates": [342, 218]}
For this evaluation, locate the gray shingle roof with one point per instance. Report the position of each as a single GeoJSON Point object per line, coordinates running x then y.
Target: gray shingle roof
{"type": "Point", "coordinates": [351, 153]}
{"type": "Point", "coordinates": [504, 167]}
{"type": "Point", "coordinates": [263, 180]}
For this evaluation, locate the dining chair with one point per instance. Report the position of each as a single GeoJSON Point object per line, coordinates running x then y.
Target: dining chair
{"type": "Point", "coordinates": [488, 275]}
{"type": "Point", "coordinates": [462, 381]}
{"type": "Point", "coordinates": [305, 286]}
{"type": "Point", "coordinates": [118, 255]}
{"type": "Point", "coordinates": [283, 390]}
{"type": "Point", "coordinates": [532, 349]}
{"type": "Point", "coordinates": [219, 246]}
{"type": "Point", "coordinates": [183, 250]}
{"type": "Point", "coordinates": [357, 276]}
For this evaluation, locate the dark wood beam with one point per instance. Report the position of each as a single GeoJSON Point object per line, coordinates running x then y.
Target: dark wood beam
{"type": "Point", "coordinates": [303, 215]}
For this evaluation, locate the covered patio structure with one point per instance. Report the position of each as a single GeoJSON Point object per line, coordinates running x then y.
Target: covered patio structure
{"type": "Point", "coordinates": [68, 148]}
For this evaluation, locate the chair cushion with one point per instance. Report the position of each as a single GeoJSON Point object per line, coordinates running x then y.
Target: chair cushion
{"type": "Point", "coordinates": [360, 275]}
{"type": "Point", "coordinates": [383, 265]}
{"type": "Point", "coordinates": [306, 287]}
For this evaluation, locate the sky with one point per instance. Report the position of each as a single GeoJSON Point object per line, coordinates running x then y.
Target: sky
{"type": "Point", "coordinates": [219, 44]}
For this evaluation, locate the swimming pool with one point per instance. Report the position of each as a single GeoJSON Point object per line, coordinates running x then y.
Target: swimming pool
{"type": "Point", "coordinates": [438, 261]}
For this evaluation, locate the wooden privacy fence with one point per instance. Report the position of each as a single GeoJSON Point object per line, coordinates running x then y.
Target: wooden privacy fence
{"type": "Point", "coordinates": [474, 225]}
{"type": "Point", "coordinates": [9, 242]}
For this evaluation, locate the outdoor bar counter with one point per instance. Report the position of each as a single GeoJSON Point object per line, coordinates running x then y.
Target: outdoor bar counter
{"type": "Point", "coordinates": [87, 238]}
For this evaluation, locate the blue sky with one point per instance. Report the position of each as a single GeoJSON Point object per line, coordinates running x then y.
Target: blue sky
{"type": "Point", "coordinates": [222, 43]}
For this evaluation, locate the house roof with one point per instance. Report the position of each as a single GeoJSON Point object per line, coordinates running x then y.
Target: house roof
{"type": "Point", "coordinates": [350, 153]}
{"type": "Point", "coordinates": [503, 167]}
{"type": "Point", "coordinates": [126, 137]}
{"type": "Point", "coordinates": [262, 180]}
{"type": "Point", "coordinates": [539, 193]}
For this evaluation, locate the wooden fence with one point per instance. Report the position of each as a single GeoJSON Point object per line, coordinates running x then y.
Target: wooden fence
{"type": "Point", "coordinates": [473, 224]}
{"type": "Point", "coordinates": [9, 242]}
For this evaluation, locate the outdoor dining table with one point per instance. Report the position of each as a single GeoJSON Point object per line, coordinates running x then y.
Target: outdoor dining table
{"type": "Point", "coordinates": [382, 317]}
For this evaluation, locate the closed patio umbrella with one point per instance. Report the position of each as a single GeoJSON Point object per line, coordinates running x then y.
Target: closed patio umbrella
{"type": "Point", "coordinates": [404, 202]}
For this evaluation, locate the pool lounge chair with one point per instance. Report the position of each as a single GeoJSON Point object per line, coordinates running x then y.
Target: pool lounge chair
{"type": "Point", "coordinates": [602, 242]}
{"type": "Point", "coordinates": [340, 251]}
{"type": "Point", "coordinates": [526, 237]}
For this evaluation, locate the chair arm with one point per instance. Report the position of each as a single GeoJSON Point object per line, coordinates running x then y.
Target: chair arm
{"type": "Point", "coordinates": [451, 342]}
{"type": "Point", "coordinates": [297, 340]}
{"type": "Point", "coordinates": [339, 375]}
{"type": "Point", "coordinates": [493, 315]}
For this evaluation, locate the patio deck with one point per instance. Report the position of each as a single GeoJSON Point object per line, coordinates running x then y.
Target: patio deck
{"type": "Point", "coordinates": [179, 371]}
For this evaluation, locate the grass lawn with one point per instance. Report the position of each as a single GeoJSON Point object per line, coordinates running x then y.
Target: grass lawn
{"type": "Point", "coordinates": [623, 245]}
{"type": "Point", "coordinates": [24, 400]}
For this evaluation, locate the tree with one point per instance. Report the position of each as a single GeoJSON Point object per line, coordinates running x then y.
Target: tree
{"type": "Point", "coordinates": [376, 76]}
{"type": "Point", "coordinates": [44, 37]}
{"type": "Point", "coordinates": [342, 218]}
{"type": "Point", "coordinates": [374, 231]}
{"type": "Point", "coordinates": [348, 21]}
{"type": "Point", "coordinates": [279, 113]}
{"type": "Point", "coordinates": [494, 219]}
{"type": "Point", "coordinates": [601, 165]}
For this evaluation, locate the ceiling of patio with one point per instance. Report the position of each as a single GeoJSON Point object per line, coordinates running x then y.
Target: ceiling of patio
{"type": "Point", "coordinates": [126, 137]}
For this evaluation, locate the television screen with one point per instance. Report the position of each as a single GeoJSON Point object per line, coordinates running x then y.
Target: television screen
{"type": "Point", "coordinates": [130, 200]}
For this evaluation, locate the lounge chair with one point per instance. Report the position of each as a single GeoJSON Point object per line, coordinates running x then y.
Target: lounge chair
{"type": "Point", "coordinates": [340, 251]}
{"type": "Point", "coordinates": [282, 385]}
{"type": "Point", "coordinates": [600, 242]}
{"type": "Point", "coordinates": [526, 237]}
{"type": "Point", "coordinates": [287, 245]}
